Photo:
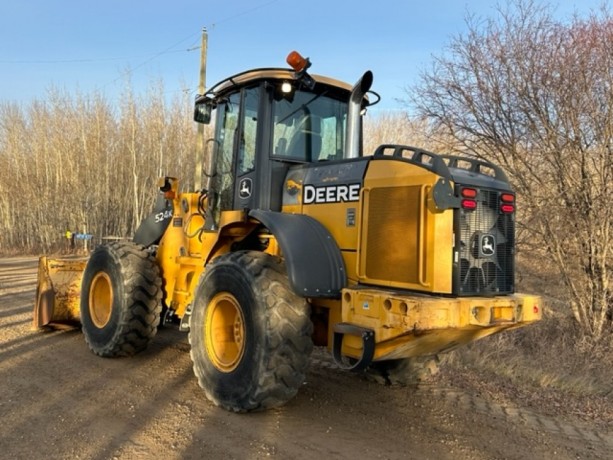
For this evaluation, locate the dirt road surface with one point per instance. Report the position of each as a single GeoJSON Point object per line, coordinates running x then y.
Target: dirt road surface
{"type": "Point", "coordinates": [59, 401]}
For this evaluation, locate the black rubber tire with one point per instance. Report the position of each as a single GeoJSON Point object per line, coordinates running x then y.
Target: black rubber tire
{"type": "Point", "coordinates": [403, 372]}
{"type": "Point", "coordinates": [277, 333]}
{"type": "Point", "coordinates": [135, 299]}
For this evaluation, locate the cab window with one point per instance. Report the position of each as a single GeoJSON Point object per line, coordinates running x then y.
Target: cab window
{"type": "Point", "coordinates": [246, 153]}
{"type": "Point", "coordinates": [308, 127]}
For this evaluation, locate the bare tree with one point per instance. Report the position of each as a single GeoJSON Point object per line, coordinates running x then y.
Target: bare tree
{"type": "Point", "coordinates": [69, 162]}
{"type": "Point", "coordinates": [536, 95]}
{"type": "Point", "coordinates": [388, 127]}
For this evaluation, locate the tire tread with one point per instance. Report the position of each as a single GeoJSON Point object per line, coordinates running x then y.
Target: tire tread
{"type": "Point", "coordinates": [288, 345]}
{"type": "Point", "coordinates": [142, 288]}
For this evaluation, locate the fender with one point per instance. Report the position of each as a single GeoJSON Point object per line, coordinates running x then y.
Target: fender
{"type": "Point", "coordinates": [314, 263]}
{"type": "Point", "coordinates": [151, 230]}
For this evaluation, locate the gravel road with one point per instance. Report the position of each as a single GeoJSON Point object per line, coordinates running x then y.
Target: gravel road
{"type": "Point", "coordinates": [60, 401]}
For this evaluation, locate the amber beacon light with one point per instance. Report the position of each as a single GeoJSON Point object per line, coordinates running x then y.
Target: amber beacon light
{"type": "Point", "coordinates": [297, 62]}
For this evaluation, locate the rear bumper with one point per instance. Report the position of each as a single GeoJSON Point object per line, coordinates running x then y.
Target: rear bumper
{"type": "Point", "coordinates": [415, 325]}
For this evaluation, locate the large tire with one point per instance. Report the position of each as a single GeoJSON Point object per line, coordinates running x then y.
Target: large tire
{"type": "Point", "coordinates": [121, 297]}
{"type": "Point", "coordinates": [403, 372]}
{"type": "Point", "coordinates": [250, 335]}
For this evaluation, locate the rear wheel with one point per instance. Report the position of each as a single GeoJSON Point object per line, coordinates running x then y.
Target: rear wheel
{"type": "Point", "coordinates": [250, 334]}
{"type": "Point", "coordinates": [121, 297]}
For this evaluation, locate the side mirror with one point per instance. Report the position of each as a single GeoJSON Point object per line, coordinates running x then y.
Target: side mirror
{"type": "Point", "coordinates": [203, 109]}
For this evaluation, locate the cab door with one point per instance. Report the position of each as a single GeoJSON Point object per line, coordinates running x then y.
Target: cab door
{"type": "Point", "coordinates": [233, 182]}
{"type": "Point", "coordinates": [247, 186]}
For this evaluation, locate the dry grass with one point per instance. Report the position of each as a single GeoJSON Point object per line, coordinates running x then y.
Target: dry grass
{"type": "Point", "coordinates": [550, 355]}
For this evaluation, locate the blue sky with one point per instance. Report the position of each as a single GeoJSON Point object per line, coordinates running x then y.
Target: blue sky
{"type": "Point", "coordinates": [76, 45]}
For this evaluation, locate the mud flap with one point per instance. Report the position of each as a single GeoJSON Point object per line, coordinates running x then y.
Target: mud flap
{"type": "Point", "coordinates": [58, 291]}
{"type": "Point", "coordinates": [368, 345]}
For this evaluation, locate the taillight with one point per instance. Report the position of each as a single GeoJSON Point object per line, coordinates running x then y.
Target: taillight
{"type": "Point", "coordinates": [468, 198]}
{"type": "Point", "coordinates": [507, 205]}
{"type": "Point", "coordinates": [469, 204]}
{"type": "Point", "coordinates": [469, 192]}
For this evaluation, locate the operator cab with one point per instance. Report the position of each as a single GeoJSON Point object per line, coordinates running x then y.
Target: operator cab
{"type": "Point", "coordinates": [267, 121]}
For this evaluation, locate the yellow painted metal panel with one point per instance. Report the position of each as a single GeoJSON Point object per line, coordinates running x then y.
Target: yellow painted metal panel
{"type": "Point", "coordinates": [414, 325]}
{"type": "Point", "coordinates": [404, 242]}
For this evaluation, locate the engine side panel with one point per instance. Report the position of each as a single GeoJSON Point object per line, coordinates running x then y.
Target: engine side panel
{"type": "Point", "coordinates": [405, 241]}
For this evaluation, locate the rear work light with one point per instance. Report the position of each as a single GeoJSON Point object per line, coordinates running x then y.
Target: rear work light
{"type": "Point", "coordinates": [507, 205]}
{"type": "Point", "coordinates": [468, 198]}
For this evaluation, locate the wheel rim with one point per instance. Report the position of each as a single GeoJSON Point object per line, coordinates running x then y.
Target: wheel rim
{"type": "Point", "coordinates": [100, 299]}
{"type": "Point", "coordinates": [224, 330]}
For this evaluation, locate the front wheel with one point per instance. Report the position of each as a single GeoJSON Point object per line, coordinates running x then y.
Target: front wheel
{"type": "Point", "coordinates": [250, 335]}
{"type": "Point", "coordinates": [121, 296]}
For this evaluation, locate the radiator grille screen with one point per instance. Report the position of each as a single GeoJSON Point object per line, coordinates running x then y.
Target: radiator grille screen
{"type": "Point", "coordinates": [485, 246]}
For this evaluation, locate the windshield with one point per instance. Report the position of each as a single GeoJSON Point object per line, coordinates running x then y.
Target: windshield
{"type": "Point", "coordinates": [309, 127]}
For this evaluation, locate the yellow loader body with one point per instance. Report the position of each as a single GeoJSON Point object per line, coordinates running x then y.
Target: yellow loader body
{"type": "Point", "coordinates": [301, 238]}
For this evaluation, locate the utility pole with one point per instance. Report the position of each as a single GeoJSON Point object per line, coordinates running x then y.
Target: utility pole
{"type": "Point", "coordinates": [201, 90]}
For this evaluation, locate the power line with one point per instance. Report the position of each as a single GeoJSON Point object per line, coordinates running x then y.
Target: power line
{"type": "Point", "coordinates": [155, 56]}
{"type": "Point", "coordinates": [242, 13]}
{"type": "Point", "coordinates": [149, 57]}
{"type": "Point", "coordinates": [90, 60]}
{"type": "Point", "coordinates": [193, 46]}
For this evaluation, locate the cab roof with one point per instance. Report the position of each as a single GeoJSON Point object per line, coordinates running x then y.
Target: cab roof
{"type": "Point", "coordinates": [249, 76]}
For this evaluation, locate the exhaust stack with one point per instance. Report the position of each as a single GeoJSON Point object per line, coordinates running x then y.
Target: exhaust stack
{"type": "Point", "coordinates": [352, 141]}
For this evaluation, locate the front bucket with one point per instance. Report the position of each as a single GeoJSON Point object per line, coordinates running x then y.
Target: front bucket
{"type": "Point", "coordinates": [58, 291]}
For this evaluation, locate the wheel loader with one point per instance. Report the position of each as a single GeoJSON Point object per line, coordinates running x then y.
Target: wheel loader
{"type": "Point", "coordinates": [298, 239]}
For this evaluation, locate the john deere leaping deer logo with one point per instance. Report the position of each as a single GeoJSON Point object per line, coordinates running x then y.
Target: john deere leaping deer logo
{"type": "Point", "coordinates": [488, 245]}
{"type": "Point", "coordinates": [245, 186]}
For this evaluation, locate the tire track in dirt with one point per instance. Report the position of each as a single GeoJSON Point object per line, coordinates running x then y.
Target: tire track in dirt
{"type": "Point", "coordinates": [575, 430]}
